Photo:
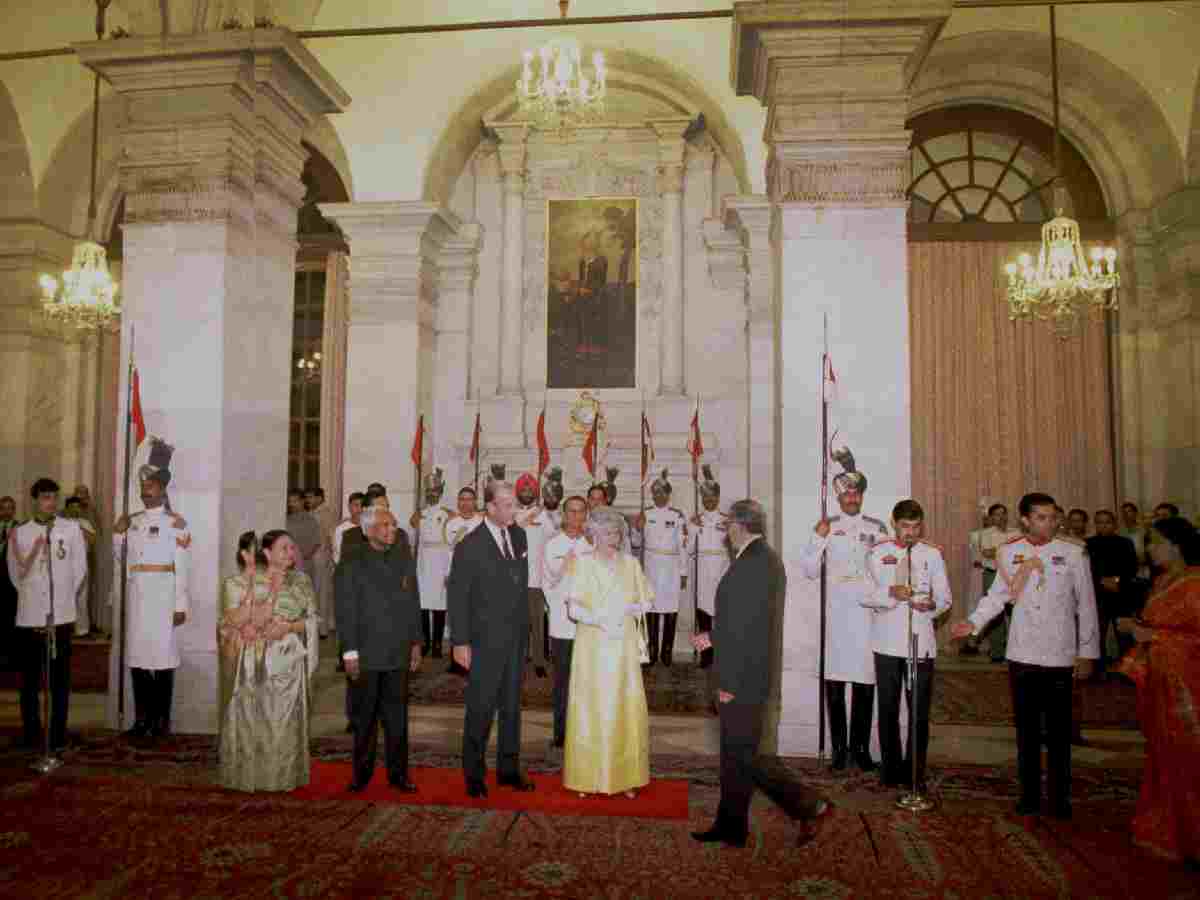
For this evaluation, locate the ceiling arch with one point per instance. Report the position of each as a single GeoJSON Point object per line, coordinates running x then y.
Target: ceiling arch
{"type": "Point", "coordinates": [18, 199]}
{"type": "Point", "coordinates": [1109, 117]}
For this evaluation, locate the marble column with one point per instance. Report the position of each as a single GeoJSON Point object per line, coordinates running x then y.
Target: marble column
{"type": "Point", "coordinates": [512, 154]}
{"type": "Point", "coordinates": [671, 146]}
{"type": "Point", "coordinates": [210, 169]}
{"type": "Point", "coordinates": [394, 249]}
{"type": "Point", "coordinates": [835, 84]}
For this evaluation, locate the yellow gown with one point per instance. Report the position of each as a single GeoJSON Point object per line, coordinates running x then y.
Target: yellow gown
{"type": "Point", "coordinates": [608, 730]}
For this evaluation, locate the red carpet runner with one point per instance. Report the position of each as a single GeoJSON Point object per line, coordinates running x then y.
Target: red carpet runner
{"type": "Point", "coordinates": [663, 799]}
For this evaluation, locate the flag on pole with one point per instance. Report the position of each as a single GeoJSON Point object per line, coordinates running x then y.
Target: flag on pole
{"type": "Point", "coordinates": [695, 445]}
{"type": "Point", "coordinates": [829, 381]}
{"type": "Point", "coordinates": [589, 446]}
{"type": "Point", "coordinates": [543, 445]}
{"type": "Point", "coordinates": [135, 412]}
{"type": "Point", "coordinates": [475, 440]}
{"type": "Point", "coordinates": [647, 447]}
{"type": "Point", "coordinates": [418, 445]}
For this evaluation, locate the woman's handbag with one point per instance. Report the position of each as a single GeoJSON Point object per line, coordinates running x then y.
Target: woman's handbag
{"type": "Point", "coordinates": [643, 641]}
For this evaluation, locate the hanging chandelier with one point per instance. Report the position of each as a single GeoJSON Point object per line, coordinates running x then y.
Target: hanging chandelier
{"type": "Point", "coordinates": [555, 90]}
{"type": "Point", "coordinates": [86, 296]}
{"type": "Point", "coordinates": [1063, 283]}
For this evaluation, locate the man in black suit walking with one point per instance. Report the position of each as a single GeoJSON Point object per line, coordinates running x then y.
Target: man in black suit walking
{"type": "Point", "coordinates": [379, 625]}
{"type": "Point", "coordinates": [754, 583]}
{"type": "Point", "coordinates": [487, 596]}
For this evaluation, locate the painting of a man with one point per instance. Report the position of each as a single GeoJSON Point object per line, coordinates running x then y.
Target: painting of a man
{"type": "Point", "coordinates": [592, 321]}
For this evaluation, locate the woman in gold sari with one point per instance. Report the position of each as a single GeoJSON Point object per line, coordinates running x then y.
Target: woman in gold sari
{"type": "Point", "coordinates": [1165, 665]}
{"type": "Point", "coordinates": [608, 729]}
{"type": "Point", "coordinates": [267, 635]}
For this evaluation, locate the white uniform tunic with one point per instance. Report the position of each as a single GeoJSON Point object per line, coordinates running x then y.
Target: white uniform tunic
{"type": "Point", "coordinates": [848, 635]}
{"type": "Point", "coordinates": [159, 560]}
{"type": "Point", "coordinates": [709, 540]}
{"type": "Point", "coordinates": [433, 557]}
{"type": "Point", "coordinates": [67, 561]}
{"type": "Point", "coordinates": [888, 565]}
{"type": "Point", "coordinates": [539, 526]}
{"type": "Point", "coordinates": [664, 539]}
{"type": "Point", "coordinates": [458, 528]}
{"type": "Point", "coordinates": [1054, 611]}
{"type": "Point", "coordinates": [555, 584]}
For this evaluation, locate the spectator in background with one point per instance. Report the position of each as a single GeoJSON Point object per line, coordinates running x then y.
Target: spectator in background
{"type": "Point", "coordinates": [73, 509]}
{"type": "Point", "coordinates": [1114, 572]}
{"type": "Point", "coordinates": [991, 539]}
{"type": "Point", "coordinates": [304, 530]}
{"type": "Point", "coordinates": [1165, 511]}
{"type": "Point", "coordinates": [1132, 528]}
{"type": "Point", "coordinates": [1077, 524]}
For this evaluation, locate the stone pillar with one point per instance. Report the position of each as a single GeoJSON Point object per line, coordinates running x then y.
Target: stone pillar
{"type": "Point", "coordinates": [671, 147]}
{"type": "Point", "coordinates": [394, 249]}
{"type": "Point", "coordinates": [835, 84]}
{"type": "Point", "coordinates": [210, 168]}
{"type": "Point", "coordinates": [512, 151]}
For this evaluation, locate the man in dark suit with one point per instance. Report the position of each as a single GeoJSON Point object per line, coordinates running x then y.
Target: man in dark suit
{"type": "Point", "coordinates": [754, 583]}
{"type": "Point", "coordinates": [487, 596]}
{"type": "Point", "coordinates": [593, 279]}
{"type": "Point", "coordinates": [1114, 572]}
{"type": "Point", "coordinates": [379, 625]}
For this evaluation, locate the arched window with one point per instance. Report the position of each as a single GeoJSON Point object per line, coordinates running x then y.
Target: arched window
{"type": "Point", "coordinates": [983, 164]}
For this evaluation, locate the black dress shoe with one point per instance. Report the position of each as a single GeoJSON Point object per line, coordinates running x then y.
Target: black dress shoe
{"type": "Point", "coordinates": [862, 759]}
{"type": "Point", "coordinates": [714, 834]}
{"type": "Point", "coordinates": [539, 671]}
{"type": "Point", "coordinates": [476, 788]}
{"type": "Point", "coordinates": [516, 782]}
{"type": "Point", "coordinates": [839, 760]}
{"type": "Point", "coordinates": [403, 785]}
{"type": "Point", "coordinates": [357, 787]}
{"type": "Point", "coordinates": [138, 731]}
{"type": "Point", "coordinates": [437, 651]}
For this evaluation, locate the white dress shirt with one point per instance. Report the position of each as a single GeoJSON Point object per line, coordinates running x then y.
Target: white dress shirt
{"type": "Point", "coordinates": [1054, 612]}
{"type": "Point", "coordinates": [890, 564]}
{"type": "Point", "coordinates": [67, 560]}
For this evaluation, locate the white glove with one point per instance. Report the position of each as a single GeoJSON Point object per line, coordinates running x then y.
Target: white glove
{"type": "Point", "coordinates": [634, 609]}
{"type": "Point", "coordinates": [583, 615]}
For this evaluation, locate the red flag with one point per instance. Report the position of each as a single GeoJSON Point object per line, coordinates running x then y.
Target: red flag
{"type": "Point", "coordinates": [695, 445]}
{"type": "Point", "coordinates": [543, 445]}
{"type": "Point", "coordinates": [475, 441]}
{"type": "Point", "coordinates": [589, 446]}
{"type": "Point", "coordinates": [829, 383]}
{"type": "Point", "coordinates": [647, 447]}
{"type": "Point", "coordinates": [135, 412]}
{"type": "Point", "coordinates": [418, 447]}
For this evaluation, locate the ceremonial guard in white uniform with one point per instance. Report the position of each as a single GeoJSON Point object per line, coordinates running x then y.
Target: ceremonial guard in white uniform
{"type": "Point", "coordinates": [906, 571]}
{"type": "Point", "coordinates": [708, 555]}
{"type": "Point", "coordinates": [664, 537]}
{"type": "Point", "coordinates": [433, 562]}
{"type": "Point", "coordinates": [158, 561]}
{"type": "Point", "coordinates": [845, 541]}
{"type": "Point", "coordinates": [530, 516]}
{"type": "Point", "coordinates": [47, 559]}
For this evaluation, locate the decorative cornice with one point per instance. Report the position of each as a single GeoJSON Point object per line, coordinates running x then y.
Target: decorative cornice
{"type": "Point", "coordinates": [872, 182]}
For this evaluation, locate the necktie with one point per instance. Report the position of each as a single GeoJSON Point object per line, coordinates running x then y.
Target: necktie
{"type": "Point", "coordinates": [504, 548]}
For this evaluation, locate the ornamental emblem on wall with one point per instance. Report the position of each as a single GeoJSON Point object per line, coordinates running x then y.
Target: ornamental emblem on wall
{"type": "Point", "coordinates": [583, 412]}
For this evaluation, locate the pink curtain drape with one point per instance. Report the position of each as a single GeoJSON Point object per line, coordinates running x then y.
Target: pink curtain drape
{"type": "Point", "coordinates": [999, 408]}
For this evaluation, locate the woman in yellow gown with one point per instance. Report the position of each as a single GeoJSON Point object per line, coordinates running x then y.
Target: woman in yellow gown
{"type": "Point", "coordinates": [608, 729]}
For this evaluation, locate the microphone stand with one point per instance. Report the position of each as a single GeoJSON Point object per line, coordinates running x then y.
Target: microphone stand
{"type": "Point", "coordinates": [913, 800]}
{"type": "Point", "coordinates": [48, 762]}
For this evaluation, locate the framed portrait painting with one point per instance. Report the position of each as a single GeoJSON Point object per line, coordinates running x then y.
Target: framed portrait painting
{"type": "Point", "coordinates": [592, 287]}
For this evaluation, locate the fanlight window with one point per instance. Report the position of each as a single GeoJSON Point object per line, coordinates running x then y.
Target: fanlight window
{"type": "Point", "coordinates": [978, 176]}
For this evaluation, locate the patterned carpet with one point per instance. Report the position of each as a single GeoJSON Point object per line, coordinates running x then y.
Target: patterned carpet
{"type": "Point", "coordinates": [121, 822]}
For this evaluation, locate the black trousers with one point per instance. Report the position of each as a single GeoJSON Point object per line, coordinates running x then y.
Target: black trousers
{"type": "Point", "coordinates": [891, 673]}
{"type": "Point", "coordinates": [494, 691]}
{"type": "Point", "coordinates": [743, 770]}
{"type": "Point", "coordinates": [704, 622]}
{"type": "Point", "coordinates": [153, 692]}
{"type": "Point", "coordinates": [563, 649]}
{"type": "Point", "coordinates": [33, 666]}
{"type": "Point", "coordinates": [1039, 691]}
{"type": "Point", "coordinates": [862, 710]}
{"type": "Point", "coordinates": [380, 695]}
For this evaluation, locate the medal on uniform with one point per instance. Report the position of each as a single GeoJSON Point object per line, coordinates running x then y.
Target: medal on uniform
{"type": "Point", "coordinates": [62, 549]}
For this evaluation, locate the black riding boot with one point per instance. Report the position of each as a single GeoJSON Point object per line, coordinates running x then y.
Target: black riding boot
{"type": "Point", "coordinates": [835, 703]}
{"type": "Point", "coordinates": [652, 635]}
{"type": "Point", "coordinates": [862, 707]}
{"type": "Point", "coordinates": [164, 694]}
{"type": "Point", "coordinates": [143, 702]}
{"type": "Point", "coordinates": [439, 628]}
{"type": "Point", "coordinates": [426, 615]}
{"type": "Point", "coordinates": [668, 638]}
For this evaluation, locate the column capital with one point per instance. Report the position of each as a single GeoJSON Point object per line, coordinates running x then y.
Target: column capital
{"type": "Point", "coordinates": [512, 146]}
{"type": "Point", "coordinates": [868, 173]}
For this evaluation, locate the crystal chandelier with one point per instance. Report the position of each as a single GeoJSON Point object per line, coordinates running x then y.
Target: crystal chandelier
{"type": "Point", "coordinates": [554, 90]}
{"type": "Point", "coordinates": [86, 298]}
{"type": "Point", "coordinates": [1063, 283]}
{"type": "Point", "coordinates": [308, 368]}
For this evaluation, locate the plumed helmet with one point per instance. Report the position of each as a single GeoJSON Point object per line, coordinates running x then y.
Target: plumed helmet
{"type": "Point", "coordinates": [158, 466]}
{"type": "Point", "coordinates": [610, 483]}
{"type": "Point", "coordinates": [661, 483]}
{"type": "Point", "coordinates": [435, 483]}
{"type": "Point", "coordinates": [552, 485]}
{"type": "Point", "coordinates": [850, 479]}
{"type": "Point", "coordinates": [709, 486]}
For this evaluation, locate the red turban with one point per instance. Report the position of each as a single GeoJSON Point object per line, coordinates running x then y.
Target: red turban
{"type": "Point", "coordinates": [529, 481]}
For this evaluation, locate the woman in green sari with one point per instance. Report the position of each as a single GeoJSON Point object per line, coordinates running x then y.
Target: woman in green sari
{"type": "Point", "coordinates": [267, 639]}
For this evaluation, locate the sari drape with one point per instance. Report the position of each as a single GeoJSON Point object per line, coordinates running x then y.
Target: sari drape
{"type": "Point", "coordinates": [608, 725]}
{"type": "Point", "coordinates": [264, 685]}
{"type": "Point", "coordinates": [1167, 673]}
